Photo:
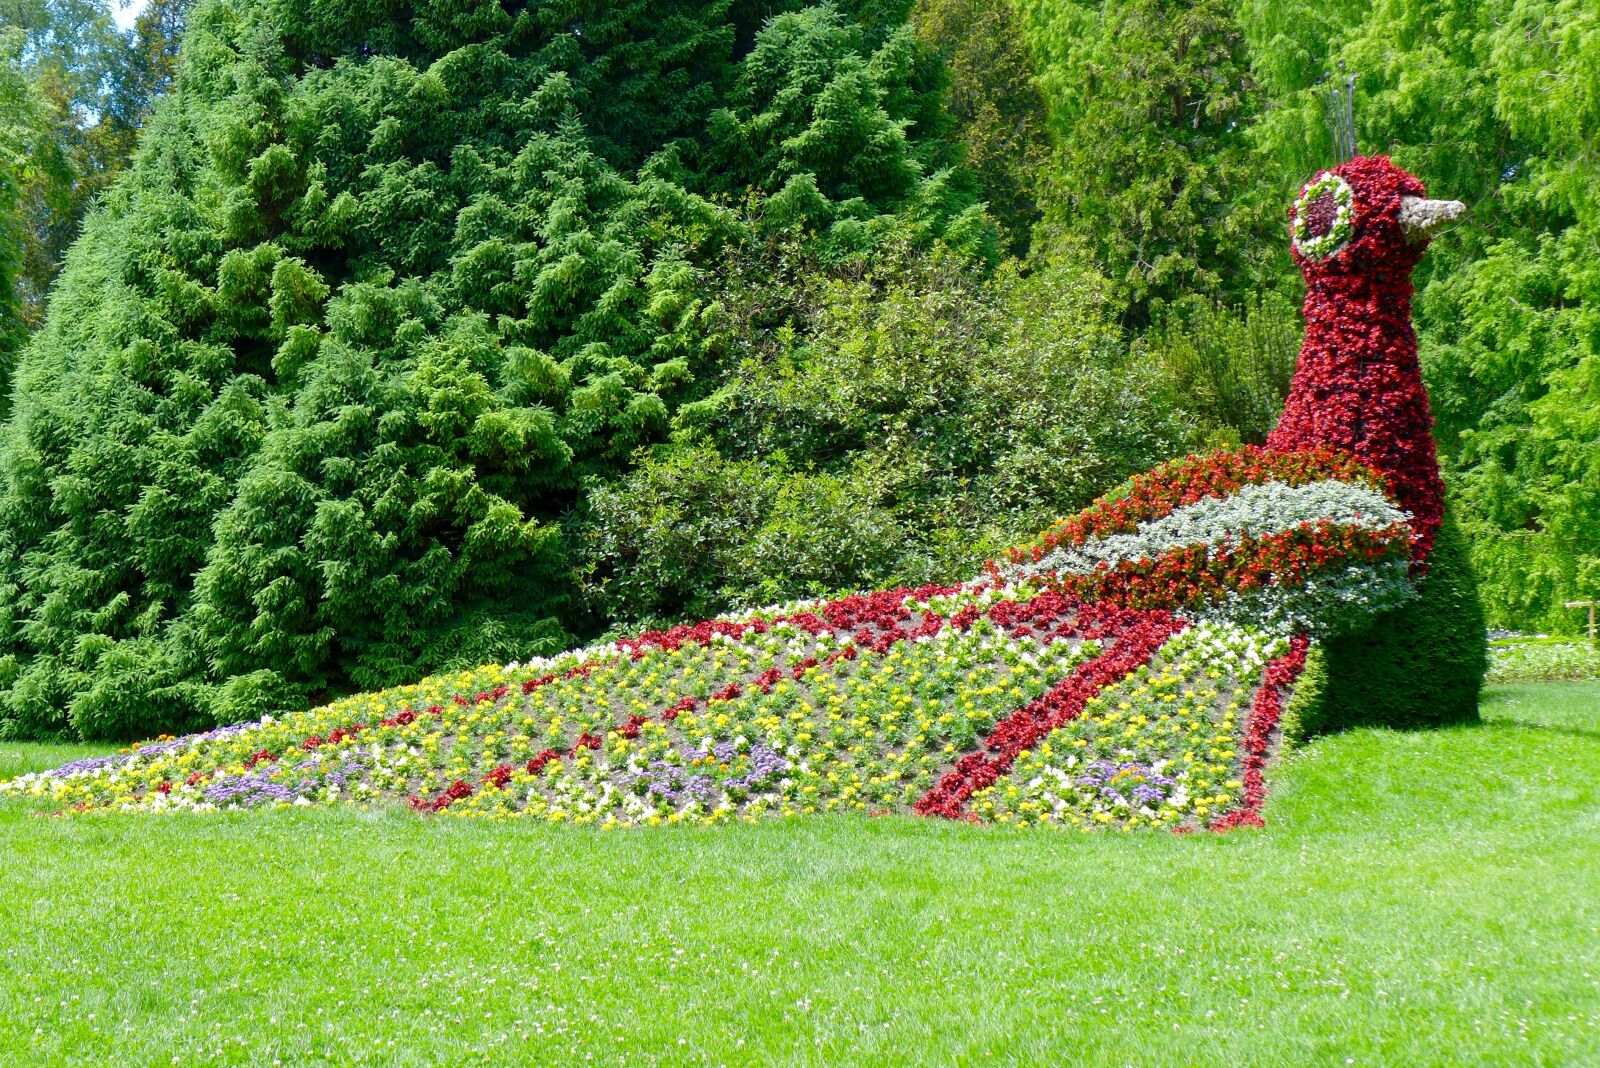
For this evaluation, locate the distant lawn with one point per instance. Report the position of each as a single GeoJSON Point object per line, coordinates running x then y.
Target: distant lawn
{"type": "Point", "coordinates": [1415, 899]}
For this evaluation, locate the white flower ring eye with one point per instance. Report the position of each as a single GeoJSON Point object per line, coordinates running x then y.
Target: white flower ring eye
{"type": "Point", "coordinates": [1324, 216]}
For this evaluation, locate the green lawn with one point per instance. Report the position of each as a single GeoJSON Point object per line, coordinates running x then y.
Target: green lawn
{"type": "Point", "coordinates": [1415, 899]}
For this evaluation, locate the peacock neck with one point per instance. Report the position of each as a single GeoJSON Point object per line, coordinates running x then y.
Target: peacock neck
{"type": "Point", "coordinates": [1358, 388]}
{"type": "Point", "coordinates": [1365, 319]}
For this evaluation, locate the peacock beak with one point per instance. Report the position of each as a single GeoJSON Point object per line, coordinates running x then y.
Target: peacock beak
{"type": "Point", "coordinates": [1421, 218]}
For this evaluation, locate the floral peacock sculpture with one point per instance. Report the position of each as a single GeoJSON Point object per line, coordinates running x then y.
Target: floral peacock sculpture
{"type": "Point", "coordinates": [1136, 666]}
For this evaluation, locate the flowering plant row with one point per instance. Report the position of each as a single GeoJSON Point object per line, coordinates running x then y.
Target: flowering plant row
{"type": "Point", "coordinates": [1266, 710]}
{"type": "Point", "coordinates": [1254, 511]}
{"type": "Point", "coordinates": [903, 700]}
{"type": "Point", "coordinates": [1198, 577]}
{"type": "Point", "coordinates": [1177, 483]}
{"type": "Point", "coordinates": [855, 703]}
{"type": "Point", "coordinates": [1161, 747]}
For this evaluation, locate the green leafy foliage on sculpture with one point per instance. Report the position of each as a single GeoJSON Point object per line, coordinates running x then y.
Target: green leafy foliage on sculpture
{"type": "Point", "coordinates": [1420, 665]}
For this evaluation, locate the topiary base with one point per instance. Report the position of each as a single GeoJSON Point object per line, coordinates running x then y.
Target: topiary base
{"type": "Point", "coordinates": [1420, 665]}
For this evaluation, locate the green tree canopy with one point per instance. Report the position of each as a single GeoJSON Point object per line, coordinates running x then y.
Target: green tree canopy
{"type": "Point", "coordinates": [28, 157]}
{"type": "Point", "coordinates": [380, 293]}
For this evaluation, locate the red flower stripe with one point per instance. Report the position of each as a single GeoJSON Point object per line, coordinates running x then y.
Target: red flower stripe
{"type": "Point", "coordinates": [1137, 641]}
{"type": "Point", "coordinates": [1197, 574]}
{"type": "Point", "coordinates": [865, 613]}
{"type": "Point", "coordinates": [1266, 709]}
{"type": "Point", "coordinates": [1171, 485]}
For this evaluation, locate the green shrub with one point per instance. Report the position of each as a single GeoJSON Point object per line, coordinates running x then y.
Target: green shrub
{"type": "Point", "coordinates": [1307, 702]}
{"type": "Point", "coordinates": [1230, 366]}
{"type": "Point", "coordinates": [1421, 665]}
{"type": "Point", "coordinates": [901, 426]}
{"type": "Point", "coordinates": [1543, 660]}
{"type": "Point", "coordinates": [690, 534]}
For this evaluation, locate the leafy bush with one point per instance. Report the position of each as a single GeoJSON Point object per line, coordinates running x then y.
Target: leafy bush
{"type": "Point", "coordinates": [690, 533]}
{"type": "Point", "coordinates": [1230, 366]}
{"type": "Point", "coordinates": [897, 425]}
{"type": "Point", "coordinates": [1420, 665]}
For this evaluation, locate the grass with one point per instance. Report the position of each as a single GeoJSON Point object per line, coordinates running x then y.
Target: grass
{"type": "Point", "coordinates": [1417, 898]}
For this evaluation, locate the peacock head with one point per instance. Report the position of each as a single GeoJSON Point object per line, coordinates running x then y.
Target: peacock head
{"type": "Point", "coordinates": [1364, 216]}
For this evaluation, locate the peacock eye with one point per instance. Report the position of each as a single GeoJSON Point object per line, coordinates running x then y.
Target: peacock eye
{"type": "Point", "coordinates": [1324, 216]}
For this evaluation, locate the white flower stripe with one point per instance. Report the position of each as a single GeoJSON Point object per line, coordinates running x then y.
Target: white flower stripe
{"type": "Point", "coordinates": [1330, 604]}
{"type": "Point", "coordinates": [1253, 511]}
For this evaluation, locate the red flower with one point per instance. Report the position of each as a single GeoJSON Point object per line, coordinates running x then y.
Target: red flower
{"type": "Point", "coordinates": [537, 764]}
{"type": "Point", "coordinates": [1185, 481]}
{"type": "Point", "coordinates": [1266, 708]}
{"type": "Point", "coordinates": [683, 705]}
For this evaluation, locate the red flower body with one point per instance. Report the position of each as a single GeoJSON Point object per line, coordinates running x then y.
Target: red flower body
{"type": "Point", "coordinates": [1358, 385]}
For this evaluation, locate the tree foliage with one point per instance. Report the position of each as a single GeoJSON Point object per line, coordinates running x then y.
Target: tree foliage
{"type": "Point", "coordinates": [898, 424]}
{"type": "Point", "coordinates": [96, 87]}
{"type": "Point", "coordinates": [377, 299]}
{"type": "Point", "coordinates": [25, 152]}
{"type": "Point", "coordinates": [420, 337]}
{"type": "Point", "coordinates": [1150, 103]}
{"type": "Point", "coordinates": [1180, 139]}
{"type": "Point", "coordinates": [995, 103]}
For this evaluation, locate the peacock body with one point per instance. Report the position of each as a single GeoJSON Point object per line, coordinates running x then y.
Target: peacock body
{"type": "Point", "coordinates": [1133, 667]}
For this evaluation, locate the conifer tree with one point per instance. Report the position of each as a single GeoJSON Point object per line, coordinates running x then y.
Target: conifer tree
{"type": "Point", "coordinates": [382, 292]}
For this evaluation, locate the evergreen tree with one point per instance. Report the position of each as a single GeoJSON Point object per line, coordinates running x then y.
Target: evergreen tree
{"type": "Point", "coordinates": [995, 102]}
{"type": "Point", "coordinates": [379, 296]}
{"type": "Point", "coordinates": [1151, 101]}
